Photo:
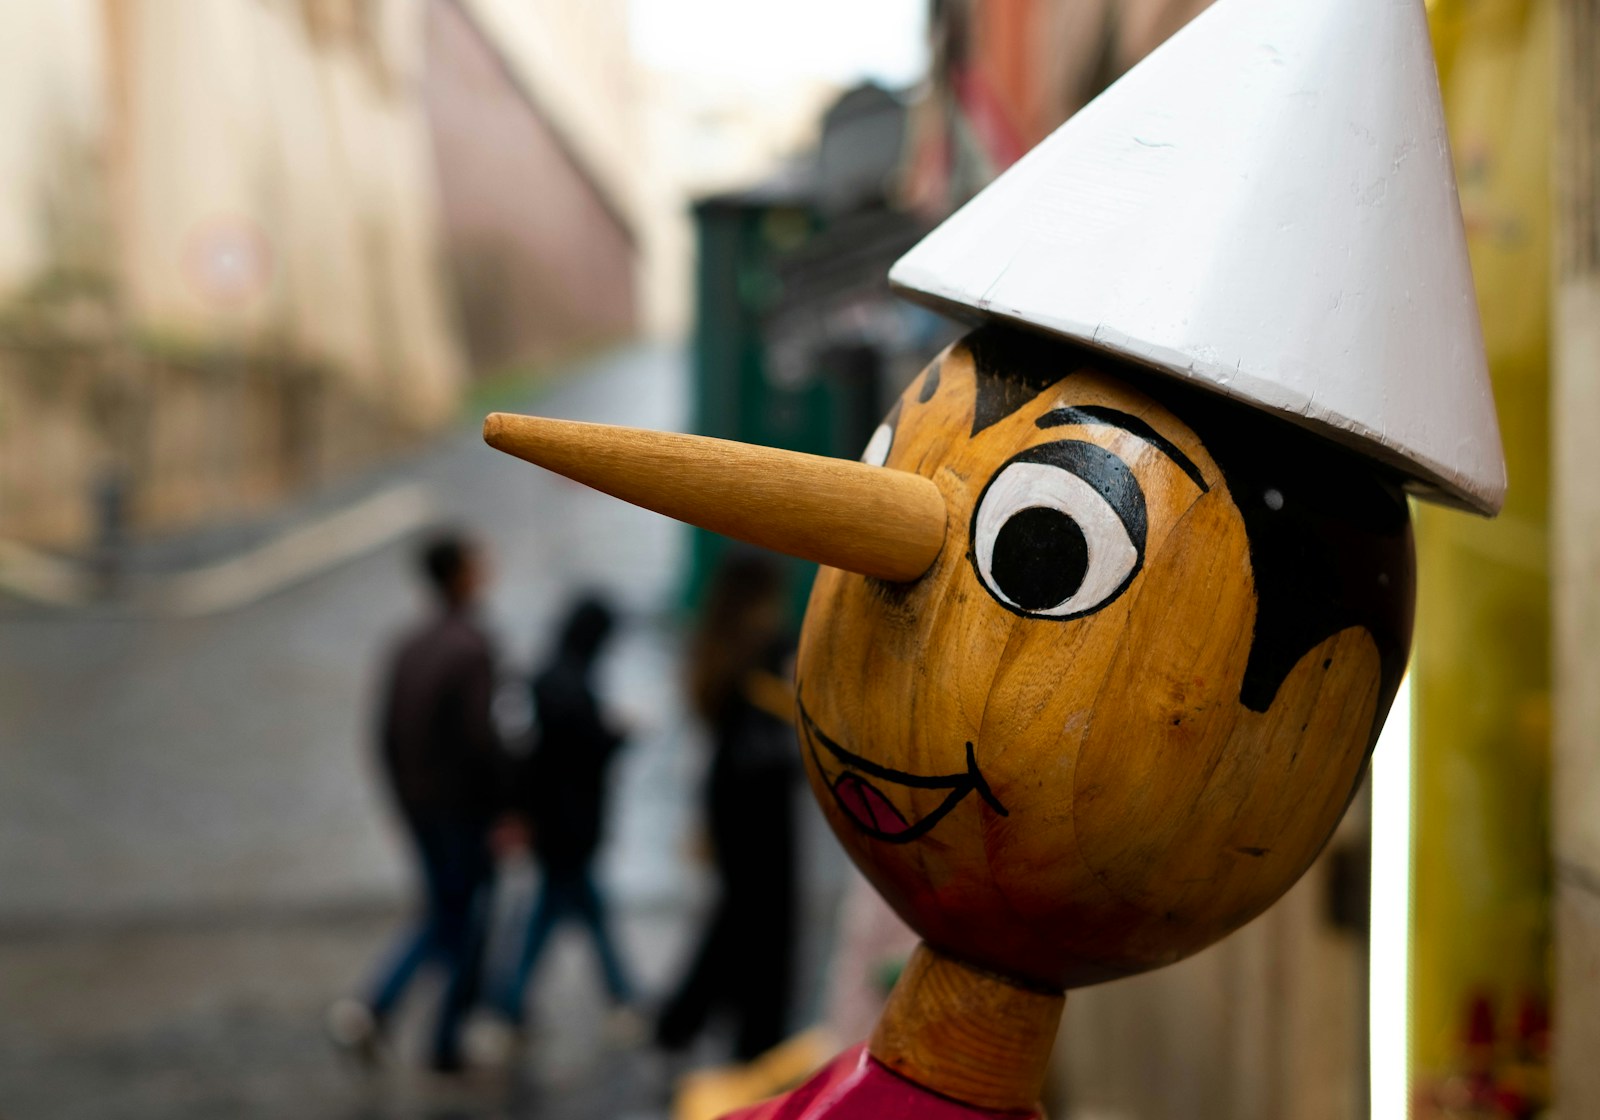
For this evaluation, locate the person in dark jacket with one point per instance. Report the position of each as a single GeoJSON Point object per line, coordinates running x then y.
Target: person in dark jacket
{"type": "Point", "coordinates": [445, 769]}
{"type": "Point", "coordinates": [563, 792]}
{"type": "Point", "coordinates": [739, 674]}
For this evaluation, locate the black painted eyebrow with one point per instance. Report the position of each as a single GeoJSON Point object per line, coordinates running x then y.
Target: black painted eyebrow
{"type": "Point", "coordinates": [1099, 414]}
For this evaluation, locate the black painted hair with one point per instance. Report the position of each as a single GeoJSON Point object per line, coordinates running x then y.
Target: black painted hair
{"type": "Point", "coordinates": [1013, 367]}
{"type": "Point", "coordinates": [1329, 532]}
{"type": "Point", "coordinates": [441, 560]}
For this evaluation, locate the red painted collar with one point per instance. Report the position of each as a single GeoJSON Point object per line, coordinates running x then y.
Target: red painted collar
{"type": "Point", "coordinates": [856, 1086]}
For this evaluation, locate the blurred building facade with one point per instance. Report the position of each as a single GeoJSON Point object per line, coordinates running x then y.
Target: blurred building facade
{"type": "Point", "coordinates": [219, 275]}
{"type": "Point", "coordinates": [1006, 72]}
{"type": "Point", "coordinates": [531, 107]}
{"type": "Point", "coordinates": [251, 246]}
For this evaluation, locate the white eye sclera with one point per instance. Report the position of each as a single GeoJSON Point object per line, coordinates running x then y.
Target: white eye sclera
{"type": "Point", "coordinates": [877, 452]}
{"type": "Point", "coordinates": [1046, 542]}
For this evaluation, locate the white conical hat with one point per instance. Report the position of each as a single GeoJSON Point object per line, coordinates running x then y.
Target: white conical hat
{"type": "Point", "coordinates": [1265, 206]}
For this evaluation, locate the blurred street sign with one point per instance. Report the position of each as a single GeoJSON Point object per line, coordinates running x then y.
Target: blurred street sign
{"type": "Point", "coordinates": [228, 261]}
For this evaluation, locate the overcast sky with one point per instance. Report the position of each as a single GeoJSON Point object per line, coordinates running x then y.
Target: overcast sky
{"type": "Point", "coordinates": [779, 41]}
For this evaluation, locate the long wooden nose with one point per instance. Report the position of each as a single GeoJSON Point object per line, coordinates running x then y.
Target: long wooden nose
{"type": "Point", "coordinates": [844, 514]}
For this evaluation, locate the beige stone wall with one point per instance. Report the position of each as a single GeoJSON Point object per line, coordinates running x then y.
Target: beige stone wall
{"type": "Point", "coordinates": [220, 269]}
{"type": "Point", "coordinates": [543, 254]}
{"type": "Point", "coordinates": [278, 184]}
{"type": "Point", "coordinates": [52, 92]}
{"type": "Point", "coordinates": [575, 62]}
{"type": "Point", "coordinates": [203, 436]}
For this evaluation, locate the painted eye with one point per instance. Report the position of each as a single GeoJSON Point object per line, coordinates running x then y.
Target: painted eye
{"type": "Point", "coordinates": [877, 452]}
{"type": "Point", "coordinates": [1059, 530]}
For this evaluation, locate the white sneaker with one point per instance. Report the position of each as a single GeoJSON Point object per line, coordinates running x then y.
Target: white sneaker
{"type": "Point", "coordinates": [354, 1030]}
{"type": "Point", "coordinates": [494, 1043]}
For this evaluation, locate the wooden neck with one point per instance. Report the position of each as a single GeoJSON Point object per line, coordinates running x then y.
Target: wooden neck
{"type": "Point", "coordinates": [967, 1034]}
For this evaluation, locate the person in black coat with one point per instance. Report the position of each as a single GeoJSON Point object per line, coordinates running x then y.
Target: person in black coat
{"type": "Point", "coordinates": [445, 770]}
{"type": "Point", "coordinates": [740, 666]}
{"type": "Point", "coordinates": [563, 792]}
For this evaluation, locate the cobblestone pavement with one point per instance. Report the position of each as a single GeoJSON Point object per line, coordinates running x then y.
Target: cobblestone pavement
{"type": "Point", "coordinates": [194, 859]}
{"type": "Point", "coordinates": [227, 1022]}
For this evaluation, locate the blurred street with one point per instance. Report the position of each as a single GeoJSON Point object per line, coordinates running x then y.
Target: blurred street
{"type": "Point", "coordinates": [194, 854]}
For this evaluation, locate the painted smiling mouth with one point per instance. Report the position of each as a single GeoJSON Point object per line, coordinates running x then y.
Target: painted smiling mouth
{"type": "Point", "coordinates": [864, 802]}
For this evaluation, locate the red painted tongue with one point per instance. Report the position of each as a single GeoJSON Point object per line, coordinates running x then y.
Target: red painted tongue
{"type": "Point", "coordinates": [870, 808]}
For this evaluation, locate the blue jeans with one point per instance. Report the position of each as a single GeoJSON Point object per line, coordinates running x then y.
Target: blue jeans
{"type": "Point", "coordinates": [564, 894]}
{"type": "Point", "coordinates": [456, 872]}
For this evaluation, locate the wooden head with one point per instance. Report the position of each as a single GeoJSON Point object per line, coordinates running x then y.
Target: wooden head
{"type": "Point", "coordinates": [1095, 662]}
{"type": "Point", "coordinates": [1127, 705]}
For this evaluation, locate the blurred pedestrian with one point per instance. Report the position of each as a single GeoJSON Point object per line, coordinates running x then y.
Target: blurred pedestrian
{"type": "Point", "coordinates": [740, 666]}
{"type": "Point", "coordinates": [563, 793]}
{"type": "Point", "coordinates": [445, 769]}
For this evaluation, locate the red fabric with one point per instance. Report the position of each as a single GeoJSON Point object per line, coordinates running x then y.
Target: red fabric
{"type": "Point", "coordinates": [855, 1086]}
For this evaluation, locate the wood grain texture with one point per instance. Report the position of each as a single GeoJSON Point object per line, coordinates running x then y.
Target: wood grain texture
{"type": "Point", "coordinates": [1132, 808]}
{"type": "Point", "coordinates": [1268, 1024]}
{"type": "Point", "coordinates": [771, 693]}
{"type": "Point", "coordinates": [968, 1034]}
{"type": "Point", "coordinates": [869, 520]}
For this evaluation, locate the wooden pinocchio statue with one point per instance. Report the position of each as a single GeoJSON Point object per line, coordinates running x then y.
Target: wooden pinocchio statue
{"type": "Point", "coordinates": [1114, 607]}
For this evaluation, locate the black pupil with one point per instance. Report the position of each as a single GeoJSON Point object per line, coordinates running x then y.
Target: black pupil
{"type": "Point", "coordinates": [1040, 558]}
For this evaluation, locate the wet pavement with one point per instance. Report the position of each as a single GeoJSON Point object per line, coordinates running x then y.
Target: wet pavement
{"type": "Point", "coordinates": [194, 857]}
{"type": "Point", "coordinates": [227, 1022]}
